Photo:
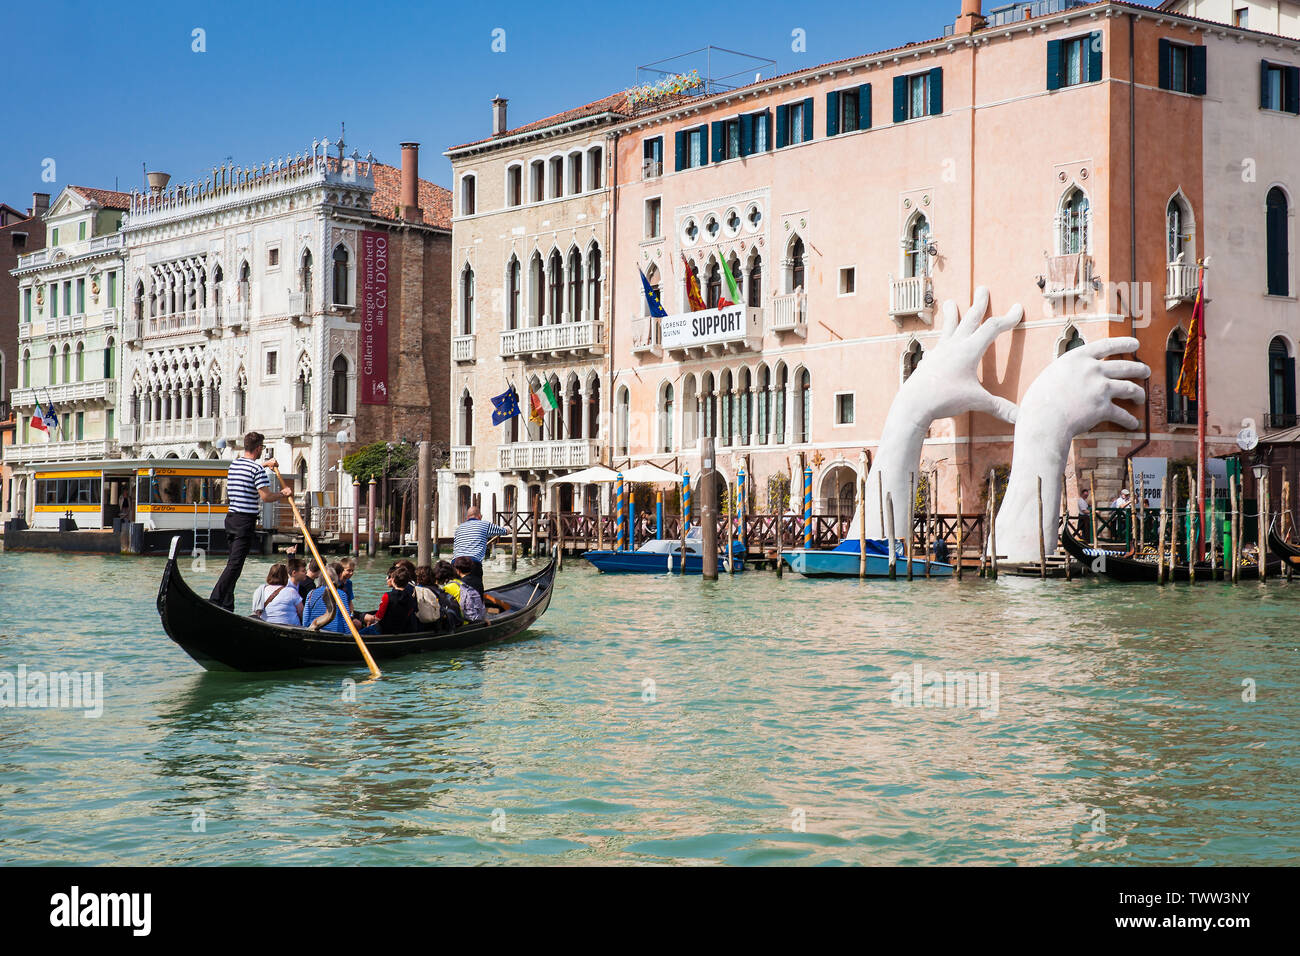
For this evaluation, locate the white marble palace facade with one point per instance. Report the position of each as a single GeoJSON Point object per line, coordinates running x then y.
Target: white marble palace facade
{"type": "Point", "coordinates": [240, 313]}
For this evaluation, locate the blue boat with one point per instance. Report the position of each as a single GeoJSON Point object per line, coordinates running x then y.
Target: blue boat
{"type": "Point", "coordinates": [662, 556]}
{"type": "Point", "coordinates": [843, 562]}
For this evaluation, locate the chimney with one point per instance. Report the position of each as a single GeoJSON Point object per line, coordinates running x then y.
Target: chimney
{"type": "Point", "coordinates": [411, 210]}
{"type": "Point", "coordinates": [499, 115]}
{"type": "Point", "coordinates": [971, 19]}
{"type": "Point", "coordinates": [40, 204]}
{"type": "Point", "coordinates": [158, 182]}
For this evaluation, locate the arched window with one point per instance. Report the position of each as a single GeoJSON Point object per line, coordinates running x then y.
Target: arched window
{"type": "Point", "coordinates": [575, 173]}
{"type": "Point", "coordinates": [466, 301]}
{"type": "Point", "coordinates": [557, 177]}
{"type": "Point", "coordinates": [709, 396]}
{"type": "Point", "coordinates": [575, 285]}
{"type": "Point", "coordinates": [779, 418]}
{"type": "Point", "coordinates": [1072, 236]}
{"type": "Point", "coordinates": [339, 386]}
{"type": "Point", "coordinates": [1179, 410]}
{"type": "Point", "coordinates": [593, 284]}
{"type": "Point", "coordinates": [139, 301]}
{"type": "Point", "coordinates": [241, 393]}
{"type": "Point", "coordinates": [1281, 384]}
{"type": "Point", "coordinates": [245, 280]}
{"type": "Point", "coordinates": [512, 294]}
{"type": "Point", "coordinates": [1277, 231]}
{"type": "Point", "coordinates": [466, 418]}
{"type": "Point", "coordinates": [593, 408]}
{"type": "Point", "coordinates": [911, 359]}
{"type": "Point", "coordinates": [555, 278]}
{"type": "Point", "coordinates": [303, 387]}
{"type": "Point", "coordinates": [27, 368]}
{"type": "Point", "coordinates": [217, 276]}
{"type": "Point", "coordinates": [1071, 340]}
{"type": "Point", "coordinates": [468, 200]}
{"type": "Point", "coordinates": [744, 406]}
{"type": "Point", "coordinates": [67, 363]}
{"type": "Point", "coordinates": [727, 402]}
{"type": "Point", "coordinates": [797, 266]}
{"type": "Point", "coordinates": [916, 248]}
{"type": "Point", "coordinates": [666, 418]}
{"type": "Point", "coordinates": [1179, 232]}
{"type": "Point", "coordinates": [756, 281]}
{"type": "Point", "coordinates": [621, 428]}
{"type": "Point", "coordinates": [302, 474]}
{"type": "Point", "coordinates": [713, 284]}
{"type": "Point", "coordinates": [304, 277]}
{"type": "Point", "coordinates": [803, 418]}
{"type": "Point", "coordinates": [690, 408]}
{"type": "Point", "coordinates": [341, 259]}
{"type": "Point", "coordinates": [536, 289]}
{"type": "Point", "coordinates": [81, 361]}
{"type": "Point", "coordinates": [537, 180]}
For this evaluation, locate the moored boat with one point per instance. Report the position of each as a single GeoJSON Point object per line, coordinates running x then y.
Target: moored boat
{"type": "Point", "coordinates": [1129, 567]}
{"type": "Point", "coordinates": [663, 556]}
{"type": "Point", "coordinates": [844, 561]}
{"type": "Point", "coordinates": [222, 640]}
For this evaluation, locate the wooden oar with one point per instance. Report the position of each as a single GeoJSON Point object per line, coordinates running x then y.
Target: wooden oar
{"type": "Point", "coordinates": [338, 601]}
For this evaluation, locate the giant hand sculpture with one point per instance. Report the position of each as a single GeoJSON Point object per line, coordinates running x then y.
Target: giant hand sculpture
{"type": "Point", "coordinates": [1073, 394]}
{"type": "Point", "coordinates": [945, 383]}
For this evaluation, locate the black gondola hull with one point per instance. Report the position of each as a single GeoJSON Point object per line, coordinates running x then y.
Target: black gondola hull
{"type": "Point", "coordinates": [1120, 566]}
{"type": "Point", "coordinates": [222, 640]}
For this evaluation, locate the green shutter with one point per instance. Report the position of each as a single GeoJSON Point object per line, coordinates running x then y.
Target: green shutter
{"type": "Point", "coordinates": [679, 144]}
{"type": "Point", "coordinates": [864, 106]}
{"type": "Point", "coordinates": [718, 142]}
{"type": "Point", "coordinates": [1166, 59]}
{"type": "Point", "coordinates": [1293, 90]}
{"type": "Point", "coordinates": [782, 123]}
{"type": "Point", "coordinates": [936, 91]}
{"type": "Point", "coordinates": [900, 99]}
{"type": "Point", "coordinates": [1263, 84]}
{"type": "Point", "coordinates": [1094, 57]}
{"type": "Point", "coordinates": [807, 119]}
{"type": "Point", "coordinates": [1054, 64]}
{"type": "Point", "coordinates": [833, 113]}
{"type": "Point", "coordinates": [1196, 68]}
{"type": "Point", "coordinates": [704, 144]}
{"type": "Point", "coordinates": [746, 134]}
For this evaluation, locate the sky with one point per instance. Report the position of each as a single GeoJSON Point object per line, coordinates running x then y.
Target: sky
{"type": "Point", "coordinates": [93, 90]}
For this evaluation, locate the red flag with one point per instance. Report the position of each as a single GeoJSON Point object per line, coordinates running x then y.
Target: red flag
{"type": "Point", "coordinates": [693, 289]}
{"type": "Point", "coordinates": [1187, 375]}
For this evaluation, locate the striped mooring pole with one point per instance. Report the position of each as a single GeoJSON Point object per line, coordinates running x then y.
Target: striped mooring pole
{"type": "Point", "coordinates": [807, 508]}
{"type": "Point", "coordinates": [686, 498]}
{"type": "Point", "coordinates": [740, 506]}
{"type": "Point", "coordinates": [659, 514]}
{"type": "Point", "coordinates": [631, 519]}
{"type": "Point", "coordinates": [621, 523]}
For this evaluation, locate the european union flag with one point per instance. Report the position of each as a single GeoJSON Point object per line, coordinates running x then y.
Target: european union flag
{"type": "Point", "coordinates": [507, 406]}
{"type": "Point", "coordinates": [652, 297]}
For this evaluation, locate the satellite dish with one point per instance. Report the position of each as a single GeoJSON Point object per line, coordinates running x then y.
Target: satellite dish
{"type": "Point", "coordinates": [220, 444]}
{"type": "Point", "coordinates": [1247, 438]}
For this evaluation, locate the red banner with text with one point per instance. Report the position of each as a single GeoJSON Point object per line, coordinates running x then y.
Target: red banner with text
{"type": "Point", "coordinates": [372, 288]}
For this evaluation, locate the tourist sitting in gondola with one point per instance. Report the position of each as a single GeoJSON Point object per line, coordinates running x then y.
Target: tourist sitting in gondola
{"type": "Point", "coordinates": [470, 573]}
{"type": "Point", "coordinates": [277, 576]}
{"type": "Point", "coordinates": [433, 603]}
{"type": "Point", "coordinates": [470, 601]}
{"type": "Point", "coordinates": [281, 603]}
{"type": "Point", "coordinates": [396, 611]}
{"type": "Point", "coordinates": [320, 613]}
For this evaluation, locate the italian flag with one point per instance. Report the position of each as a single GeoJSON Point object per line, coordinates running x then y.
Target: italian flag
{"type": "Point", "coordinates": [544, 401]}
{"type": "Point", "coordinates": [733, 292]}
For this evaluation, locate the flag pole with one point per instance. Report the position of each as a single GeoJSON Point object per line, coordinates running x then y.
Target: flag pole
{"type": "Point", "coordinates": [1200, 411]}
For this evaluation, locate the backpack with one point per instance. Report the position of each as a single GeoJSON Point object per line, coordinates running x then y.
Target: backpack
{"type": "Point", "coordinates": [427, 607]}
{"type": "Point", "coordinates": [451, 614]}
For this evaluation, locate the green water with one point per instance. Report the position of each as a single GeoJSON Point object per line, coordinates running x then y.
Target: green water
{"type": "Point", "coordinates": [768, 734]}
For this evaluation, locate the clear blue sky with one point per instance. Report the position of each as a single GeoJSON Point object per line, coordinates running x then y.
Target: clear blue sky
{"type": "Point", "coordinates": [102, 87]}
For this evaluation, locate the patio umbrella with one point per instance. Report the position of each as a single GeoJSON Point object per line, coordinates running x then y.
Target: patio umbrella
{"type": "Point", "coordinates": [650, 475]}
{"type": "Point", "coordinates": [595, 475]}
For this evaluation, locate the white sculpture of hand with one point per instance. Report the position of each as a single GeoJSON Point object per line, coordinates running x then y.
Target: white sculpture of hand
{"type": "Point", "coordinates": [945, 383]}
{"type": "Point", "coordinates": [1075, 393]}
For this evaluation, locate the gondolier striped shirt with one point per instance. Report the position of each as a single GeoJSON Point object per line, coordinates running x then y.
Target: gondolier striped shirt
{"type": "Point", "coordinates": [472, 538]}
{"type": "Point", "coordinates": [243, 480]}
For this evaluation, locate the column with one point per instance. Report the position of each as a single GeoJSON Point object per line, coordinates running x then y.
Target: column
{"type": "Point", "coordinates": [787, 431]}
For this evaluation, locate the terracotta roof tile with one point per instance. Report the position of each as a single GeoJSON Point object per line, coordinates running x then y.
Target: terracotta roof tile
{"type": "Point", "coordinates": [434, 199]}
{"type": "Point", "coordinates": [614, 103]}
{"type": "Point", "coordinates": [108, 198]}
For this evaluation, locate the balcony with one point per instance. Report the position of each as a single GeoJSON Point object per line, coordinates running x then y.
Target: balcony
{"type": "Point", "coordinates": [176, 323]}
{"type": "Point", "coordinates": [462, 459]}
{"type": "Point", "coordinates": [128, 433]}
{"type": "Point", "coordinates": [210, 321]}
{"type": "Point", "coordinates": [548, 455]}
{"type": "Point", "coordinates": [564, 338]}
{"type": "Point", "coordinates": [1067, 277]}
{"type": "Point", "coordinates": [70, 393]}
{"type": "Point", "coordinates": [1276, 420]}
{"type": "Point", "coordinates": [236, 315]}
{"type": "Point", "coordinates": [911, 297]}
{"type": "Point", "coordinates": [1180, 284]}
{"type": "Point", "coordinates": [645, 336]}
{"type": "Point", "coordinates": [462, 348]}
{"type": "Point", "coordinates": [205, 429]}
{"type": "Point", "coordinates": [298, 308]}
{"type": "Point", "coordinates": [295, 423]}
{"type": "Point", "coordinates": [790, 314]}
{"type": "Point", "coordinates": [66, 324]}
{"type": "Point", "coordinates": [177, 430]}
{"type": "Point", "coordinates": [232, 428]}
{"type": "Point", "coordinates": [24, 330]}
{"type": "Point", "coordinates": [712, 331]}
{"type": "Point", "coordinates": [61, 451]}
{"type": "Point", "coordinates": [132, 331]}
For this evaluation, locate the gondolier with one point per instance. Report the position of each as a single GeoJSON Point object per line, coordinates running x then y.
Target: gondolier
{"type": "Point", "coordinates": [473, 534]}
{"type": "Point", "coordinates": [247, 485]}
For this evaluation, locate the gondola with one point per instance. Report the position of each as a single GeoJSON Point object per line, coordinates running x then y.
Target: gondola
{"type": "Point", "coordinates": [1123, 566]}
{"type": "Point", "coordinates": [222, 640]}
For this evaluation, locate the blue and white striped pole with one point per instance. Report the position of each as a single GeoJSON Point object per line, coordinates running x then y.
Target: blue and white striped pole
{"type": "Point", "coordinates": [659, 515]}
{"type": "Point", "coordinates": [807, 508]}
{"type": "Point", "coordinates": [621, 521]}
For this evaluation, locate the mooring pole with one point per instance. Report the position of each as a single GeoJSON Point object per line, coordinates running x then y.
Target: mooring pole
{"type": "Point", "coordinates": [909, 526]}
{"type": "Point", "coordinates": [356, 517]}
{"type": "Point", "coordinates": [960, 535]}
{"type": "Point", "coordinates": [1261, 528]}
{"type": "Point", "coordinates": [514, 533]}
{"type": "Point", "coordinates": [1042, 539]}
{"type": "Point", "coordinates": [862, 526]}
{"type": "Point", "coordinates": [1065, 519]}
{"type": "Point", "coordinates": [422, 555]}
{"type": "Point", "coordinates": [1164, 516]}
{"type": "Point", "coordinates": [889, 533]}
{"type": "Point", "coordinates": [370, 519]}
{"type": "Point", "coordinates": [708, 512]}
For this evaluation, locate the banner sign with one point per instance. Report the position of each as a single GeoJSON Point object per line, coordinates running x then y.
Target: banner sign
{"type": "Point", "coordinates": [372, 300]}
{"type": "Point", "coordinates": [1150, 472]}
{"type": "Point", "coordinates": [710, 327]}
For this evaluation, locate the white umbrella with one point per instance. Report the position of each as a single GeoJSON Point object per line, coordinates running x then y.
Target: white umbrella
{"type": "Point", "coordinates": [596, 475]}
{"type": "Point", "coordinates": [650, 475]}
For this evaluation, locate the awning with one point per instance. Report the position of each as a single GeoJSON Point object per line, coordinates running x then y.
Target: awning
{"type": "Point", "coordinates": [595, 475]}
{"type": "Point", "coordinates": [648, 474]}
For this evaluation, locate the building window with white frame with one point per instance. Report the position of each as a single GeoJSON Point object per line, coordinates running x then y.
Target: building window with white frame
{"type": "Point", "coordinates": [515, 186]}
{"type": "Point", "coordinates": [595, 167]}
{"type": "Point", "coordinates": [654, 218]}
{"type": "Point", "coordinates": [468, 199]}
{"type": "Point", "coordinates": [843, 408]}
{"type": "Point", "coordinates": [1072, 236]}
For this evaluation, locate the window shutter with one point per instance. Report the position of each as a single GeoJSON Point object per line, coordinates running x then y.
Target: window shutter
{"type": "Point", "coordinates": [936, 91]}
{"type": "Point", "coordinates": [782, 122]}
{"type": "Point", "coordinates": [1288, 387]}
{"type": "Point", "coordinates": [1293, 89]}
{"type": "Point", "coordinates": [833, 113]}
{"type": "Point", "coordinates": [1166, 78]}
{"type": "Point", "coordinates": [807, 119]}
{"type": "Point", "coordinates": [704, 144]}
{"type": "Point", "coordinates": [1263, 84]}
{"type": "Point", "coordinates": [746, 134]}
{"type": "Point", "coordinates": [900, 99]}
{"type": "Point", "coordinates": [1054, 64]}
{"type": "Point", "coordinates": [717, 142]}
{"type": "Point", "coordinates": [864, 106]}
{"type": "Point", "coordinates": [680, 142]}
{"type": "Point", "coordinates": [1196, 68]}
{"type": "Point", "coordinates": [1094, 57]}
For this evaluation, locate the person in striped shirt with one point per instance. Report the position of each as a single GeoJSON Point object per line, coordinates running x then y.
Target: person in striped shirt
{"type": "Point", "coordinates": [473, 534]}
{"type": "Point", "coordinates": [247, 486]}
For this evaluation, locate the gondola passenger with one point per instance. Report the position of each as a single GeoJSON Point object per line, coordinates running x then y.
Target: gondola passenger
{"type": "Point", "coordinates": [283, 606]}
{"type": "Point", "coordinates": [396, 612]}
{"type": "Point", "coordinates": [277, 576]}
{"type": "Point", "coordinates": [320, 613]}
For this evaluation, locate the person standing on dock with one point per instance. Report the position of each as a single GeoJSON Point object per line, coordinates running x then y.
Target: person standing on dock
{"type": "Point", "coordinates": [247, 485]}
{"type": "Point", "coordinates": [473, 534]}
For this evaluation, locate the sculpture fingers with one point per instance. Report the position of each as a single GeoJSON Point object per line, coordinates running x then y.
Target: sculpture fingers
{"type": "Point", "coordinates": [1122, 390]}
{"type": "Point", "coordinates": [1126, 369]}
{"type": "Point", "coordinates": [1121, 417]}
{"type": "Point", "coordinates": [975, 314]}
{"type": "Point", "coordinates": [1001, 408]}
{"type": "Point", "coordinates": [995, 326]}
{"type": "Point", "coordinates": [1104, 348]}
{"type": "Point", "coordinates": [951, 317]}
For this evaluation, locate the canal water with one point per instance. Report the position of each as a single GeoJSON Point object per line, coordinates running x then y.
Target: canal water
{"type": "Point", "coordinates": [653, 720]}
